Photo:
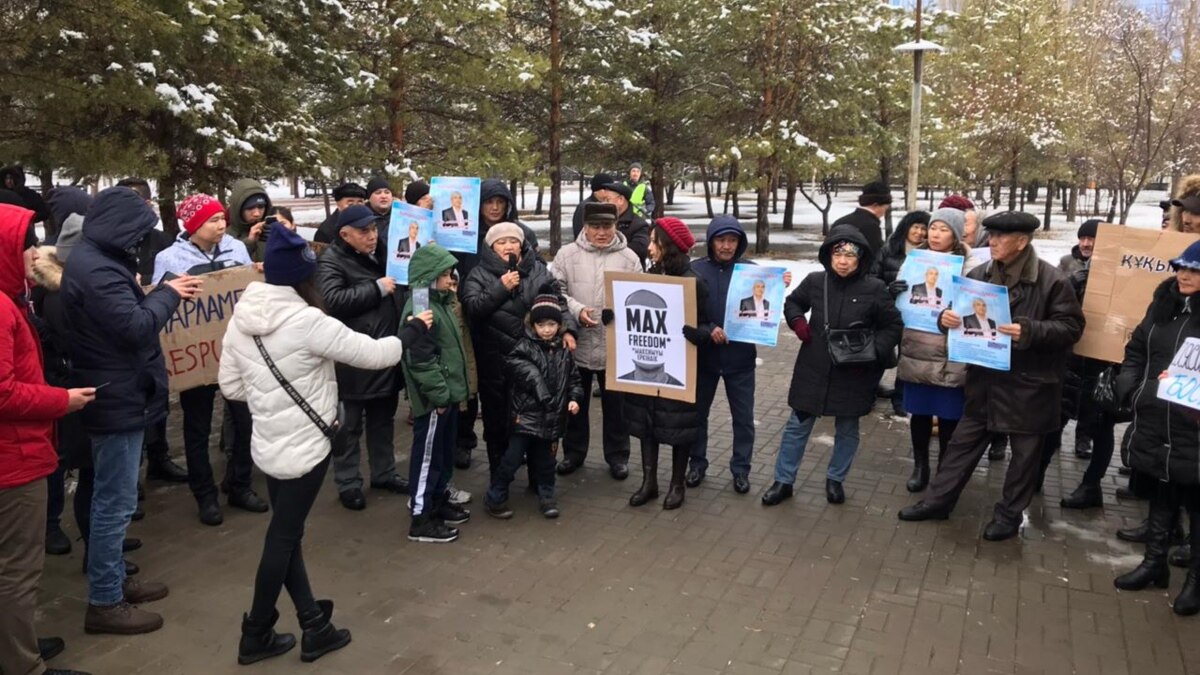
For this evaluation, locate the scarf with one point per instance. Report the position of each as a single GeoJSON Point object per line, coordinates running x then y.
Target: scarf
{"type": "Point", "coordinates": [1023, 267]}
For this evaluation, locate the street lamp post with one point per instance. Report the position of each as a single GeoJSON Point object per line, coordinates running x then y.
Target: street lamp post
{"type": "Point", "coordinates": [918, 47]}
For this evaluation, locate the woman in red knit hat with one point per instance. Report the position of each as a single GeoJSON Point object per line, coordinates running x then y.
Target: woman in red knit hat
{"type": "Point", "coordinates": [655, 420]}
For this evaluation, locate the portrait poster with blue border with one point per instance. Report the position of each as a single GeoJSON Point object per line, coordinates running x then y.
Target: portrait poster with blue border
{"type": "Point", "coordinates": [410, 228]}
{"type": "Point", "coordinates": [978, 341]}
{"type": "Point", "coordinates": [456, 212]}
{"type": "Point", "coordinates": [754, 305]}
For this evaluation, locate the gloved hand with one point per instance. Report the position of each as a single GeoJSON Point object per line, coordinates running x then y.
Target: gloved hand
{"type": "Point", "coordinates": [606, 316]}
{"type": "Point", "coordinates": [897, 287]}
{"type": "Point", "coordinates": [696, 336]}
{"type": "Point", "coordinates": [801, 329]}
{"type": "Point", "coordinates": [1079, 280]}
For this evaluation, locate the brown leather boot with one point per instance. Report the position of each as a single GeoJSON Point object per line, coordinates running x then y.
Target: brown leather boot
{"type": "Point", "coordinates": [140, 592]}
{"type": "Point", "coordinates": [120, 619]}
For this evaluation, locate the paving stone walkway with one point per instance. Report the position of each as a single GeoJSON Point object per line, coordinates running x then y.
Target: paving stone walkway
{"type": "Point", "coordinates": [722, 585]}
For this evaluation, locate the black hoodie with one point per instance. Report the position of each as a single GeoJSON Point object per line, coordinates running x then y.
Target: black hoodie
{"type": "Point", "coordinates": [33, 201]}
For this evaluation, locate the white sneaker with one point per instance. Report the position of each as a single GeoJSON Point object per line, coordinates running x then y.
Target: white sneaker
{"type": "Point", "coordinates": [459, 497]}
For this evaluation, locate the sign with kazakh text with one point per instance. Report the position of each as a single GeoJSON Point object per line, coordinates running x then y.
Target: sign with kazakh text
{"type": "Point", "coordinates": [191, 340]}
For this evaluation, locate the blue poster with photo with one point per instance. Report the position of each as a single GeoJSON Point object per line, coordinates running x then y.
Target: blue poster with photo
{"type": "Point", "coordinates": [754, 306]}
{"type": "Point", "coordinates": [410, 228]}
{"type": "Point", "coordinates": [978, 341]}
{"type": "Point", "coordinates": [929, 288]}
{"type": "Point", "coordinates": [455, 212]}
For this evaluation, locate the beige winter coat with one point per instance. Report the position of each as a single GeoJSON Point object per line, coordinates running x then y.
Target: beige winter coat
{"type": "Point", "coordinates": [580, 267]}
{"type": "Point", "coordinates": [924, 358]}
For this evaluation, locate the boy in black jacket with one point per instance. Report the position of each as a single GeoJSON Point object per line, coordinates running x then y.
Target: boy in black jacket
{"type": "Point", "coordinates": [544, 388]}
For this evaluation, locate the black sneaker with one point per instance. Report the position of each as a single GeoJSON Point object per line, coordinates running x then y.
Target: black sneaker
{"type": "Point", "coordinates": [453, 515]}
{"type": "Point", "coordinates": [501, 511]}
{"type": "Point", "coordinates": [549, 507]}
{"type": "Point", "coordinates": [431, 531]}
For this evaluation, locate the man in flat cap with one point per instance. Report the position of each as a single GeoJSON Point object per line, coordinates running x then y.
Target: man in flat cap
{"type": "Point", "coordinates": [344, 196]}
{"type": "Point", "coordinates": [1024, 401]}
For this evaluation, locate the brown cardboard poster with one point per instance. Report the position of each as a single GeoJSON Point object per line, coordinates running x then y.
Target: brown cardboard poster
{"type": "Point", "coordinates": [1127, 265]}
{"type": "Point", "coordinates": [647, 353]}
{"type": "Point", "coordinates": [191, 340]}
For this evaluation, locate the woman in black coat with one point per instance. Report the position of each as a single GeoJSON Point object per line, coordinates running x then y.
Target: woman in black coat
{"type": "Point", "coordinates": [819, 388]}
{"type": "Point", "coordinates": [1165, 444]}
{"type": "Point", "coordinates": [908, 235]}
{"type": "Point", "coordinates": [654, 420]}
{"type": "Point", "coordinates": [496, 296]}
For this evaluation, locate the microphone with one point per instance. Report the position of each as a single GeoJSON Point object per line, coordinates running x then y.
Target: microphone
{"type": "Point", "coordinates": [512, 262]}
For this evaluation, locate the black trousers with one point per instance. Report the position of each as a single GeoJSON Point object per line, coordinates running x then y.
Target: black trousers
{"type": "Point", "coordinates": [197, 404]}
{"type": "Point", "coordinates": [432, 459]}
{"type": "Point", "coordinates": [971, 440]}
{"type": "Point", "coordinates": [282, 563]}
{"type": "Point", "coordinates": [380, 426]}
{"type": "Point", "coordinates": [155, 442]}
{"type": "Point", "coordinates": [579, 428]}
{"type": "Point", "coordinates": [538, 453]}
{"type": "Point", "coordinates": [467, 440]}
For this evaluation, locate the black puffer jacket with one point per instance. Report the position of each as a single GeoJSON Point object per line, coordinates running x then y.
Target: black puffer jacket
{"type": "Point", "coordinates": [497, 314]}
{"type": "Point", "coordinates": [1165, 439]}
{"type": "Point", "coordinates": [859, 300]}
{"type": "Point", "coordinates": [347, 280]}
{"type": "Point", "coordinates": [542, 381]}
{"type": "Point", "coordinates": [661, 420]}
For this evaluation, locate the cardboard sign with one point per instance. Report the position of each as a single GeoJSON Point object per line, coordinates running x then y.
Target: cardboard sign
{"type": "Point", "coordinates": [191, 340]}
{"type": "Point", "coordinates": [647, 353]}
{"type": "Point", "coordinates": [1127, 265]}
{"type": "Point", "coordinates": [1182, 383]}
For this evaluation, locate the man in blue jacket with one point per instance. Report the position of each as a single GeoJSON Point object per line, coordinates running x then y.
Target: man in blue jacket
{"type": "Point", "coordinates": [116, 350]}
{"type": "Point", "coordinates": [721, 358]}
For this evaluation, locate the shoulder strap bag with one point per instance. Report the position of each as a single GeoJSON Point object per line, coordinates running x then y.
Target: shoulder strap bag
{"type": "Point", "coordinates": [848, 346]}
{"type": "Point", "coordinates": [329, 430]}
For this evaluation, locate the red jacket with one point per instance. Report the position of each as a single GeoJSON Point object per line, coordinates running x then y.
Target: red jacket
{"type": "Point", "coordinates": [28, 406]}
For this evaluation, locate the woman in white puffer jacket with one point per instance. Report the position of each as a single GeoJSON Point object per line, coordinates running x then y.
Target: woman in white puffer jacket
{"type": "Point", "coordinates": [286, 314]}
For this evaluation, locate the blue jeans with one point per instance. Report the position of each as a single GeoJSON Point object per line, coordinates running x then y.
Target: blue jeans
{"type": "Point", "coordinates": [739, 391]}
{"type": "Point", "coordinates": [116, 458]}
{"type": "Point", "coordinates": [795, 439]}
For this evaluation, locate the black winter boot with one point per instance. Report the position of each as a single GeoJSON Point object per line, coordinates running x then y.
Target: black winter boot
{"type": "Point", "coordinates": [649, 488]}
{"type": "Point", "coordinates": [1154, 569]}
{"type": "Point", "coordinates": [920, 473]}
{"type": "Point", "coordinates": [679, 460]}
{"type": "Point", "coordinates": [260, 641]}
{"type": "Point", "coordinates": [320, 636]}
{"type": "Point", "coordinates": [1187, 603]}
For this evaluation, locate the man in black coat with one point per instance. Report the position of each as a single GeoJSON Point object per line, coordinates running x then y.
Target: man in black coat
{"type": "Point", "coordinates": [115, 348]}
{"type": "Point", "coordinates": [598, 183]}
{"type": "Point", "coordinates": [1025, 401]}
{"type": "Point", "coordinates": [344, 196]}
{"type": "Point", "coordinates": [873, 205]}
{"type": "Point", "coordinates": [359, 293]}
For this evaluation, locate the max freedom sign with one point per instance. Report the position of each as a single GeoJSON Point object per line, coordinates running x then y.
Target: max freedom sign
{"type": "Point", "coordinates": [647, 353]}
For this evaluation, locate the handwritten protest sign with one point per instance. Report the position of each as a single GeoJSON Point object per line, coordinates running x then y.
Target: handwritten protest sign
{"type": "Point", "coordinates": [978, 341]}
{"type": "Point", "coordinates": [647, 353]}
{"type": "Point", "coordinates": [754, 304]}
{"type": "Point", "coordinates": [1127, 265]}
{"type": "Point", "coordinates": [1182, 384]}
{"type": "Point", "coordinates": [191, 340]}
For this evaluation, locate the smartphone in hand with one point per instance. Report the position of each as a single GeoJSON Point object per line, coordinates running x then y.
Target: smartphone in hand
{"type": "Point", "coordinates": [420, 300]}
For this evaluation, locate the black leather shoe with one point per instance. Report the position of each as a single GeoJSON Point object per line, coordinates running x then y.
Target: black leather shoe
{"type": "Point", "coordinates": [247, 500]}
{"type": "Point", "coordinates": [1135, 534]}
{"type": "Point", "coordinates": [166, 470]}
{"type": "Point", "coordinates": [353, 499]}
{"type": "Point", "coordinates": [131, 544]}
{"type": "Point", "coordinates": [741, 483]}
{"type": "Point", "coordinates": [210, 512]}
{"type": "Point", "coordinates": [1148, 573]}
{"type": "Point", "coordinates": [1124, 471]}
{"type": "Point", "coordinates": [462, 458]}
{"type": "Point", "coordinates": [776, 493]}
{"type": "Point", "coordinates": [833, 492]}
{"type": "Point", "coordinates": [57, 542]}
{"type": "Point", "coordinates": [998, 531]}
{"type": "Point", "coordinates": [923, 511]}
{"type": "Point", "coordinates": [694, 478]}
{"type": "Point", "coordinates": [131, 568]}
{"type": "Point", "coordinates": [568, 466]}
{"type": "Point", "coordinates": [1181, 556]}
{"type": "Point", "coordinates": [394, 484]}
{"type": "Point", "coordinates": [619, 471]}
{"type": "Point", "coordinates": [1084, 497]}
{"type": "Point", "coordinates": [50, 647]}
{"type": "Point", "coordinates": [138, 514]}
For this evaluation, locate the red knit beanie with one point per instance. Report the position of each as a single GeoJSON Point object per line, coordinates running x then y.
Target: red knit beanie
{"type": "Point", "coordinates": [678, 232]}
{"type": "Point", "coordinates": [196, 210]}
{"type": "Point", "coordinates": [957, 202]}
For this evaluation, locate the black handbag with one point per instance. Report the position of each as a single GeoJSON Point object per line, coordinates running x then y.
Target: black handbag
{"type": "Point", "coordinates": [848, 346]}
{"type": "Point", "coordinates": [331, 431]}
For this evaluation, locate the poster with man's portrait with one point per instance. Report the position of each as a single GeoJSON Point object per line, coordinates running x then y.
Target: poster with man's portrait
{"type": "Point", "coordinates": [754, 305]}
{"type": "Point", "coordinates": [929, 288]}
{"type": "Point", "coordinates": [647, 353]}
{"type": "Point", "coordinates": [410, 228]}
{"type": "Point", "coordinates": [978, 341]}
{"type": "Point", "coordinates": [455, 212]}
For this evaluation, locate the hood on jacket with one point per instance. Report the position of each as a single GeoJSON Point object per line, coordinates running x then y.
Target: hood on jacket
{"type": "Point", "coordinates": [14, 225]}
{"type": "Point", "coordinates": [264, 307]}
{"type": "Point", "coordinates": [47, 269]}
{"type": "Point", "coordinates": [720, 225]}
{"type": "Point", "coordinates": [427, 264]}
{"type": "Point", "coordinates": [118, 220]}
{"type": "Point", "coordinates": [851, 234]}
{"type": "Point", "coordinates": [1168, 302]}
{"type": "Point", "coordinates": [18, 174]}
{"type": "Point", "coordinates": [899, 238]}
{"type": "Point", "coordinates": [68, 201]}
{"type": "Point", "coordinates": [242, 190]}
{"type": "Point", "coordinates": [494, 187]}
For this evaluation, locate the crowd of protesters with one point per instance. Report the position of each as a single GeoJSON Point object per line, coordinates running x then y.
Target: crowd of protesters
{"type": "Point", "coordinates": [318, 354]}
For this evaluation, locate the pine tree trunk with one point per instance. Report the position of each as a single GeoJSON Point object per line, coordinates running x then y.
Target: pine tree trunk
{"type": "Point", "coordinates": [734, 184]}
{"type": "Point", "coordinates": [1049, 205]}
{"type": "Point", "coordinates": [707, 192]}
{"type": "Point", "coordinates": [325, 195]}
{"type": "Point", "coordinates": [167, 186]}
{"type": "Point", "coordinates": [671, 193]}
{"type": "Point", "coordinates": [556, 98]}
{"type": "Point", "coordinates": [1013, 176]}
{"type": "Point", "coordinates": [789, 203]}
{"type": "Point", "coordinates": [537, 208]}
{"type": "Point", "coordinates": [1072, 202]}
